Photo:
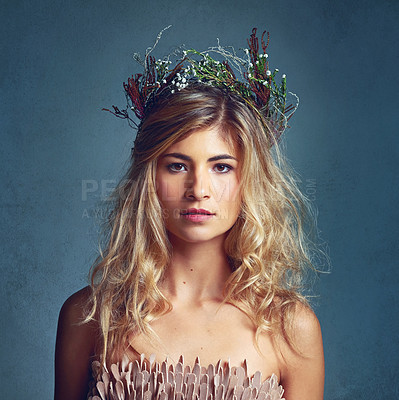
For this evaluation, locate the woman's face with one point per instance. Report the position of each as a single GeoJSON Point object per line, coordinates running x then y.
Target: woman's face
{"type": "Point", "coordinates": [198, 186]}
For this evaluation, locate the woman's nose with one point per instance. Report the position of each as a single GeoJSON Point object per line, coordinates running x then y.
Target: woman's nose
{"type": "Point", "coordinates": [198, 186]}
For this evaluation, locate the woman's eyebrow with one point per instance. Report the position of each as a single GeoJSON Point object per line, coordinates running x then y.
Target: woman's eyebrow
{"type": "Point", "coordinates": [178, 155]}
{"type": "Point", "coordinates": [222, 157]}
{"type": "Point", "coordinates": [188, 158]}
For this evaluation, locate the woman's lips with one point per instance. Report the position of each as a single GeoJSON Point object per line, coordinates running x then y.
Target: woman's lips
{"type": "Point", "coordinates": [197, 215]}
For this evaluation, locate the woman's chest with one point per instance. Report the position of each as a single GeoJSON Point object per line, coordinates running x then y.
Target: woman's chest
{"type": "Point", "coordinates": [227, 335]}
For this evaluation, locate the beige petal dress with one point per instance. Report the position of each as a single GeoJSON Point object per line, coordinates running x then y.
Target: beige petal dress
{"type": "Point", "coordinates": [146, 379]}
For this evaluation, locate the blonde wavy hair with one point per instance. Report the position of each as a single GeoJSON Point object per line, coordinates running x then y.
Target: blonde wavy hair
{"type": "Point", "coordinates": [266, 247]}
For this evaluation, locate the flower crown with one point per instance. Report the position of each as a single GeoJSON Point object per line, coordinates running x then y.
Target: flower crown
{"type": "Point", "coordinates": [257, 87]}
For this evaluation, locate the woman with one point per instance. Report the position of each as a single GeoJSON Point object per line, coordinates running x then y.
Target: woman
{"type": "Point", "coordinates": [204, 257]}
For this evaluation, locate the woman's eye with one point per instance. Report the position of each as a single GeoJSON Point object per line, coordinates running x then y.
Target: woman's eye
{"type": "Point", "coordinates": [176, 167]}
{"type": "Point", "coordinates": [223, 168]}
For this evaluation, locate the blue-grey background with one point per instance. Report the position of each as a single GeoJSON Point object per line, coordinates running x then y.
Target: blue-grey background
{"type": "Point", "coordinates": [62, 61]}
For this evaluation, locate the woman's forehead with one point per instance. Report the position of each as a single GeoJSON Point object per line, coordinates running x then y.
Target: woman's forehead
{"type": "Point", "coordinates": [213, 139]}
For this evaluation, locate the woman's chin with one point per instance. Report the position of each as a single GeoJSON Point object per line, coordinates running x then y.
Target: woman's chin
{"type": "Point", "coordinates": [195, 238]}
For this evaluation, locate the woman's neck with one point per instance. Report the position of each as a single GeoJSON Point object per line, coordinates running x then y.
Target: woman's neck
{"type": "Point", "coordinates": [197, 271]}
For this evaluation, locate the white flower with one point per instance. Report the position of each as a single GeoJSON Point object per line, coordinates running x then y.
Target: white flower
{"type": "Point", "coordinates": [284, 76]}
{"type": "Point", "coordinates": [163, 80]}
{"type": "Point", "coordinates": [251, 65]}
{"type": "Point", "coordinates": [276, 69]}
{"type": "Point", "coordinates": [246, 51]}
{"type": "Point", "coordinates": [268, 73]}
{"type": "Point", "coordinates": [172, 91]}
{"type": "Point", "coordinates": [249, 76]}
{"type": "Point", "coordinates": [184, 80]}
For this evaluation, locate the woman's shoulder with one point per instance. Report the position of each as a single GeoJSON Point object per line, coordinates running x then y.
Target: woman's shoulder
{"type": "Point", "coordinates": [305, 327]}
{"type": "Point", "coordinates": [72, 321]}
{"type": "Point", "coordinates": [300, 326]}
{"type": "Point", "coordinates": [299, 322]}
{"type": "Point", "coordinates": [302, 365]}
{"type": "Point", "coordinates": [75, 305]}
{"type": "Point", "coordinates": [75, 347]}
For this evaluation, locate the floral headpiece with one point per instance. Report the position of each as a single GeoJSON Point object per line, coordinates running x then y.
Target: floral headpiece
{"type": "Point", "coordinates": [257, 85]}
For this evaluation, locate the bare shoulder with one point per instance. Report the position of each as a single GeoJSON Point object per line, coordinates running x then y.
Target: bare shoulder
{"type": "Point", "coordinates": [72, 330]}
{"type": "Point", "coordinates": [72, 316]}
{"type": "Point", "coordinates": [306, 330]}
{"type": "Point", "coordinates": [73, 309]}
{"type": "Point", "coordinates": [302, 365]}
{"type": "Point", "coordinates": [75, 347]}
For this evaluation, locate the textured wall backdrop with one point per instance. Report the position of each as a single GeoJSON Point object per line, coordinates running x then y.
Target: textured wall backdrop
{"type": "Point", "coordinates": [62, 61]}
